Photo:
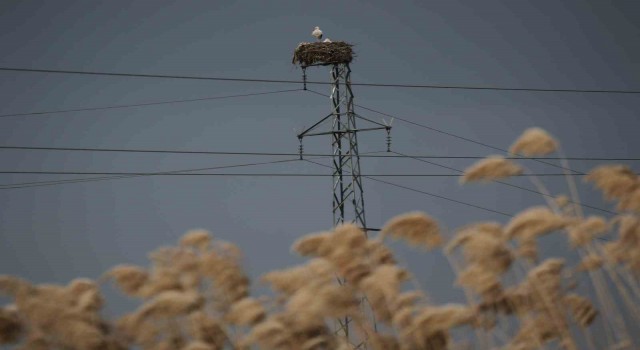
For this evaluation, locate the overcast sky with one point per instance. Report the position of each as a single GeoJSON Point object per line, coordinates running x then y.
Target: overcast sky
{"type": "Point", "coordinates": [55, 233]}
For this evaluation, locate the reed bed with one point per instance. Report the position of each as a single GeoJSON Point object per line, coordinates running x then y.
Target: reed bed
{"type": "Point", "coordinates": [352, 293]}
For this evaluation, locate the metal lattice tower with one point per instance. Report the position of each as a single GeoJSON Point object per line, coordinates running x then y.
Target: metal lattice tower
{"type": "Point", "coordinates": [348, 197]}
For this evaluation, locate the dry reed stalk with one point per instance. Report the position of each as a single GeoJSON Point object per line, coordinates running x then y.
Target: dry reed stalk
{"type": "Point", "coordinates": [485, 247]}
{"type": "Point", "coordinates": [548, 197]}
{"type": "Point", "coordinates": [626, 250]}
{"type": "Point", "coordinates": [538, 142]}
{"type": "Point", "coordinates": [490, 169]}
{"type": "Point", "coordinates": [562, 201]}
{"type": "Point", "coordinates": [246, 312]}
{"type": "Point", "coordinates": [289, 281]}
{"type": "Point", "coordinates": [534, 334]}
{"type": "Point", "coordinates": [630, 202]}
{"type": "Point", "coordinates": [481, 281]}
{"type": "Point", "coordinates": [378, 253]}
{"type": "Point", "coordinates": [581, 309]}
{"type": "Point", "coordinates": [381, 288]}
{"type": "Point", "coordinates": [621, 288]}
{"type": "Point", "coordinates": [207, 329]}
{"type": "Point", "coordinates": [530, 224]}
{"type": "Point", "coordinates": [571, 182]}
{"type": "Point", "coordinates": [591, 262]}
{"type": "Point", "coordinates": [417, 228]}
{"type": "Point", "coordinates": [534, 142]}
{"type": "Point", "coordinates": [320, 301]}
{"type": "Point", "coordinates": [483, 339]}
{"type": "Point", "coordinates": [609, 307]}
{"type": "Point", "coordinates": [13, 286]}
{"type": "Point", "coordinates": [615, 181]}
{"type": "Point", "coordinates": [171, 304]}
{"type": "Point", "coordinates": [270, 334]}
{"type": "Point", "coordinates": [316, 244]}
{"type": "Point", "coordinates": [129, 278]}
{"type": "Point", "coordinates": [535, 222]}
{"type": "Point", "coordinates": [434, 319]}
{"type": "Point", "coordinates": [546, 283]}
{"type": "Point", "coordinates": [463, 235]}
{"type": "Point", "coordinates": [584, 231]}
{"type": "Point", "coordinates": [223, 268]}
{"type": "Point", "coordinates": [199, 239]}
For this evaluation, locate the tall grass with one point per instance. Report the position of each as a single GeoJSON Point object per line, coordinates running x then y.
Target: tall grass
{"type": "Point", "coordinates": [351, 293]}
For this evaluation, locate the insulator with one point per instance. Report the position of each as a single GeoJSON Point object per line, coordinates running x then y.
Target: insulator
{"type": "Point", "coordinates": [388, 139]}
{"type": "Point", "coordinates": [300, 148]}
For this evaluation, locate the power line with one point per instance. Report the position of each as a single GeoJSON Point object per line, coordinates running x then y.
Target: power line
{"type": "Point", "coordinates": [145, 104]}
{"type": "Point", "coordinates": [105, 178]}
{"type": "Point", "coordinates": [450, 134]}
{"type": "Point", "coordinates": [60, 182]}
{"type": "Point", "coordinates": [397, 155]}
{"type": "Point", "coordinates": [512, 185]}
{"type": "Point", "coordinates": [281, 81]}
{"type": "Point", "coordinates": [423, 192]}
{"type": "Point", "coordinates": [121, 150]}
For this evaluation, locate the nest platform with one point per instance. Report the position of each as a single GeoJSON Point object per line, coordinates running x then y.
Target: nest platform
{"type": "Point", "coordinates": [320, 53]}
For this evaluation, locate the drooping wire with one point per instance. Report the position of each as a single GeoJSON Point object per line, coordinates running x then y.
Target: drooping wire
{"type": "Point", "coordinates": [116, 177]}
{"type": "Point", "coordinates": [131, 175]}
{"type": "Point", "coordinates": [452, 135]}
{"type": "Point", "coordinates": [423, 192]}
{"type": "Point", "coordinates": [506, 183]}
{"type": "Point", "coordinates": [123, 150]}
{"type": "Point", "coordinates": [281, 81]}
{"type": "Point", "coordinates": [144, 104]}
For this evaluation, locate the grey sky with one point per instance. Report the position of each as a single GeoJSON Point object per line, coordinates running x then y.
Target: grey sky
{"type": "Point", "coordinates": [55, 233]}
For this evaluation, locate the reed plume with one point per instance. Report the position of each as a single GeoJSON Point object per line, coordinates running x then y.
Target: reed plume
{"type": "Point", "coordinates": [615, 181]}
{"type": "Point", "coordinates": [490, 169]}
{"type": "Point", "coordinates": [534, 142]}
{"type": "Point", "coordinates": [418, 229]}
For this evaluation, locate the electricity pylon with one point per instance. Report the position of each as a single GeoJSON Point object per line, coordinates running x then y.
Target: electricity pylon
{"type": "Point", "coordinates": [348, 198]}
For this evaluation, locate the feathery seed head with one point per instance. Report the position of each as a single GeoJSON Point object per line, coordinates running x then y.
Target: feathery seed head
{"type": "Point", "coordinates": [490, 169]}
{"type": "Point", "coordinates": [245, 312]}
{"type": "Point", "coordinates": [199, 239]}
{"type": "Point", "coordinates": [128, 278]}
{"type": "Point", "coordinates": [584, 231]}
{"type": "Point", "coordinates": [615, 181]}
{"type": "Point", "coordinates": [417, 228]}
{"type": "Point", "coordinates": [535, 222]}
{"type": "Point", "coordinates": [534, 142]}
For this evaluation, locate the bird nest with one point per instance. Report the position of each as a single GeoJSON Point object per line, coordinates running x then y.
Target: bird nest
{"type": "Point", "coordinates": [321, 53]}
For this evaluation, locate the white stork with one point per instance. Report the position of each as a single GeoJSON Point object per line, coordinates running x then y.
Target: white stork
{"type": "Point", "coordinates": [317, 33]}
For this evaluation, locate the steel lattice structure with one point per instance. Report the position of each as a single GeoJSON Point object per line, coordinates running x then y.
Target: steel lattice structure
{"type": "Point", "coordinates": [348, 197]}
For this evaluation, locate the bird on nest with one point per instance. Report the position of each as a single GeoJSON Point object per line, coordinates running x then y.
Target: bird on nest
{"type": "Point", "coordinates": [317, 33]}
